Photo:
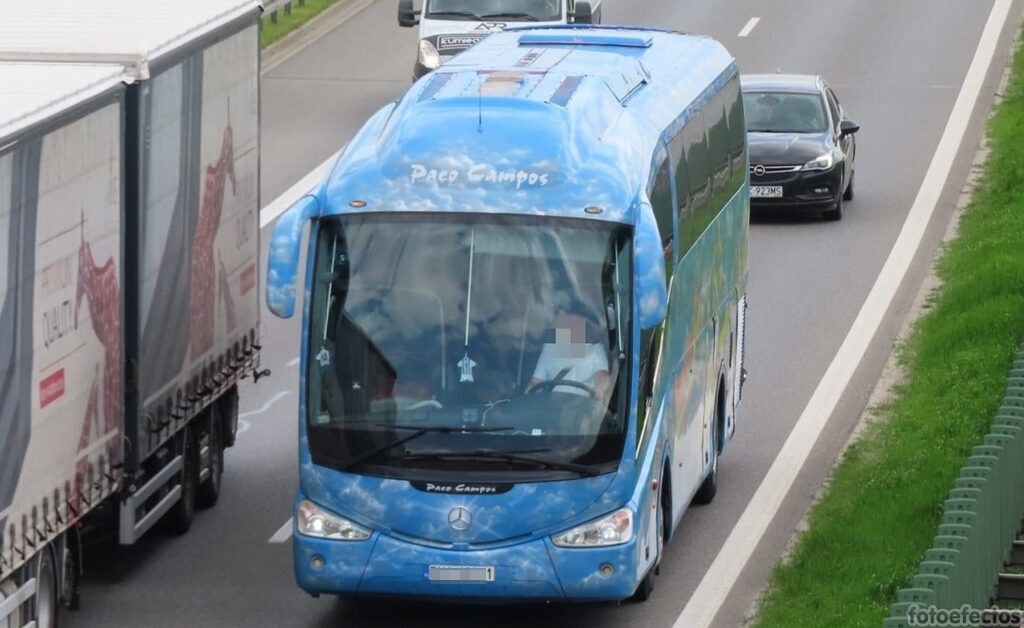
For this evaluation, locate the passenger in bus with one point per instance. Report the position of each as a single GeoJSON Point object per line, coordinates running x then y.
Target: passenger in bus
{"type": "Point", "coordinates": [571, 358]}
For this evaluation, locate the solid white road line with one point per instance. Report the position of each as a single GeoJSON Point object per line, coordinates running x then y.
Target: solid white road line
{"type": "Point", "coordinates": [283, 534]}
{"type": "Point", "coordinates": [749, 27]}
{"type": "Point", "coordinates": [746, 534]}
{"type": "Point", "coordinates": [266, 406]}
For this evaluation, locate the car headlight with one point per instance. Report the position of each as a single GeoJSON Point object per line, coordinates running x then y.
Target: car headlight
{"type": "Point", "coordinates": [822, 162]}
{"type": "Point", "coordinates": [612, 529]}
{"type": "Point", "coordinates": [319, 522]}
{"type": "Point", "coordinates": [429, 57]}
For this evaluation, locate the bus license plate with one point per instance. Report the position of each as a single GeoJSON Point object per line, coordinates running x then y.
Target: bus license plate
{"type": "Point", "coordinates": [766, 191]}
{"type": "Point", "coordinates": [460, 573]}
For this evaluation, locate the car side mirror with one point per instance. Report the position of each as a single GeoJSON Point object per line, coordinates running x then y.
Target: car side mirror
{"type": "Point", "coordinates": [848, 127]}
{"type": "Point", "coordinates": [407, 16]}
{"type": "Point", "coordinates": [582, 13]}
{"type": "Point", "coordinates": [283, 259]}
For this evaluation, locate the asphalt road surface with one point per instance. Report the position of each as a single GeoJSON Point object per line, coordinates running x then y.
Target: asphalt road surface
{"type": "Point", "coordinates": [898, 68]}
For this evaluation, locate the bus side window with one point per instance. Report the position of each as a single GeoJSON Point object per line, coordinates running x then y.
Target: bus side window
{"type": "Point", "coordinates": [661, 202]}
{"type": "Point", "coordinates": [737, 134]}
{"type": "Point", "coordinates": [650, 344]}
{"type": "Point", "coordinates": [677, 150]}
{"type": "Point", "coordinates": [694, 161]}
{"type": "Point", "coordinates": [718, 150]}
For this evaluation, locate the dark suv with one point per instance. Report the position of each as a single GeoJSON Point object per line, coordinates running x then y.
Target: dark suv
{"type": "Point", "coordinates": [801, 144]}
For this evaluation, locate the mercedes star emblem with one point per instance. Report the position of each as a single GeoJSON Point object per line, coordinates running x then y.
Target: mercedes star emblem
{"type": "Point", "coordinates": [459, 518]}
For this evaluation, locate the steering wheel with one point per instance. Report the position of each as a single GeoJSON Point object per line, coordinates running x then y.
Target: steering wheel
{"type": "Point", "coordinates": [551, 383]}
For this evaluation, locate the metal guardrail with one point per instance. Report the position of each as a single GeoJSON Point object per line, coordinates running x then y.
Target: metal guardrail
{"type": "Point", "coordinates": [272, 8]}
{"type": "Point", "coordinates": [980, 520]}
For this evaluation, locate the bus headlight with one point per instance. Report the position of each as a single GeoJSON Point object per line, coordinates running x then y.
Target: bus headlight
{"type": "Point", "coordinates": [612, 529]}
{"type": "Point", "coordinates": [319, 522]}
{"type": "Point", "coordinates": [429, 57]}
{"type": "Point", "coordinates": [821, 162]}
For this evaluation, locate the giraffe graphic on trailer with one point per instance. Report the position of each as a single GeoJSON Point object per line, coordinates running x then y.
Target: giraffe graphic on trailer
{"type": "Point", "coordinates": [203, 298]}
{"type": "Point", "coordinates": [99, 286]}
{"type": "Point", "coordinates": [225, 293]}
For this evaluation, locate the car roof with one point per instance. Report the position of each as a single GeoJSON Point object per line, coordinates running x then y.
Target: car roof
{"type": "Point", "coordinates": [803, 83]}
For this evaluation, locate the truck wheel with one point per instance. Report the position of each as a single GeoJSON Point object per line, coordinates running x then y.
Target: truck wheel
{"type": "Point", "coordinates": [70, 595]}
{"type": "Point", "coordinates": [209, 490]}
{"type": "Point", "coordinates": [227, 410]}
{"type": "Point", "coordinates": [44, 605]}
{"type": "Point", "coordinates": [179, 517]}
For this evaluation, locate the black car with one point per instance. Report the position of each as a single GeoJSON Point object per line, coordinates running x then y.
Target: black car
{"type": "Point", "coordinates": [801, 144]}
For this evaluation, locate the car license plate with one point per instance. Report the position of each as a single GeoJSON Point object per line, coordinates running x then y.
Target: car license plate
{"type": "Point", "coordinates": [460, 573]}
{"type": "Point", "coordinates": [766, 191]}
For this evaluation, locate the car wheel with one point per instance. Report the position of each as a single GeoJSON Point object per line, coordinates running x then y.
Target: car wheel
{"type": "Point", "coordinates": [836, 212]}
{"type": "Point", "coordinates": [848, 194]}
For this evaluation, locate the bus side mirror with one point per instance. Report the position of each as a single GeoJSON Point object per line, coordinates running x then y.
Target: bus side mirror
{"type": "Point", "coordinates": [283, 259]}
{"type": "Point", "coordinates": [651, 292]}
{"type": "Point", "coordinates": [407, 16]}
{"type": "Point", "coordinates": [582, 13]}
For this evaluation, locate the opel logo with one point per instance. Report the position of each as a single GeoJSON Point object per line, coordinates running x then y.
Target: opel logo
{"type": "Point", "coordinates": [759, 170]}
{"type": "Point", "coordinates": [459, 518]}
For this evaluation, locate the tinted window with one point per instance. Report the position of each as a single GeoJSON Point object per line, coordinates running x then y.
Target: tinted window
{"type": "Point", "coordinates": [718, 147]}
{"type": "Point", "coordinates": [661, 203]}
{"type": "Point", "coordinates": [737, 133]}
{"type": "Point", "coordinates": [677, 151]}
{"type": "Point", "coordinates": [833, 106]}
{"type": "Point", "coordinates": [783, 112]}
{"type": "Point", "coordinates": [698, 178]}
{"type": "Point", "coordinates": [539, 10]}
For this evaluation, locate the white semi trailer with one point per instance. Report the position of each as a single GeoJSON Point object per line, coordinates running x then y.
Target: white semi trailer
{"type": "Point", "coordinates": [129, 242]}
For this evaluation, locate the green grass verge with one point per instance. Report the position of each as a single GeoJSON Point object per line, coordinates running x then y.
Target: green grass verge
{"type": "Point", "coordinates": [273, 31]}
{"type": "Point", "coordinates": [868, 533]}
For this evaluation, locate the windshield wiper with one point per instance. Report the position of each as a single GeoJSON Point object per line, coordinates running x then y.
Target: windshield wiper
{"type": "Point", "coordinates": [513, 16]}
{"type": "Point", "coordinates": [418, 431]}
{"type": "Point", "coordinates": [761, 131]}
{"type": "Point", "coordinates": [466, 15]}
{"type": "Point", "coordinates": [510, 456]}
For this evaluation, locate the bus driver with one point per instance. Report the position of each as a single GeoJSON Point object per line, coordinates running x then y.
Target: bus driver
{"type": "Point", "coordinates": [572, 359]}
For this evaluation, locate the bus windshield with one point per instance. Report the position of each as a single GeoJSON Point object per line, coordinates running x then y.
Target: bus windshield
{"type": "Point", "coordinates": [455, 343]}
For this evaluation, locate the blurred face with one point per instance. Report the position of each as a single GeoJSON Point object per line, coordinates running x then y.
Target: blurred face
{"type": "Point", "coordinates": [570, 334]}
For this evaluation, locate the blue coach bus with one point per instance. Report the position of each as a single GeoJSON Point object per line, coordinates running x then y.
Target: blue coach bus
{"type": "Point", "coordinates": [522, 342]}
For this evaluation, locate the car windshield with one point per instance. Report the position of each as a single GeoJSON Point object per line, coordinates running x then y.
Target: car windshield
{"type": "Point", "coordinates": [784, 112]}
{"type": "Point", "coordinates": [468, 343]}
{"type": "Point", "coordinates": [500, 10]}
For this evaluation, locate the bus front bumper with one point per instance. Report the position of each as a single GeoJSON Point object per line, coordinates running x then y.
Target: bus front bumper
{"type": "Point", "coordinates": [536, 570]}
